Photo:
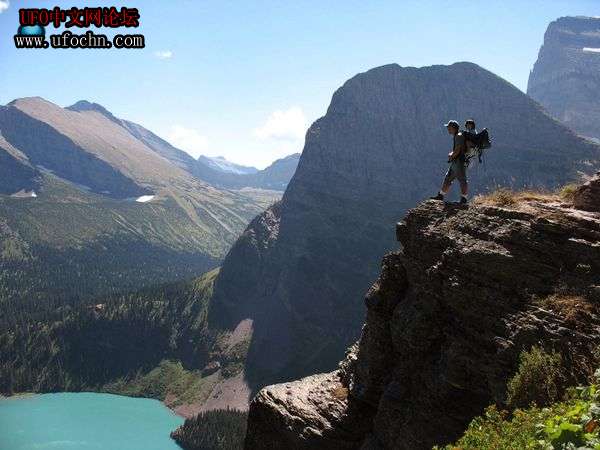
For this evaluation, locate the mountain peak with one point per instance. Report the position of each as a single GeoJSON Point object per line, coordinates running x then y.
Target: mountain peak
{"type": "Point", "coordinates": [30, 101]}
{"type": "Point", "coordinates": [85, 105]}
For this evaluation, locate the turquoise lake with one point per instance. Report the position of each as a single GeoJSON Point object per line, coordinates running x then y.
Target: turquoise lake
{"type": "Point", "coordinates": [73, 421]}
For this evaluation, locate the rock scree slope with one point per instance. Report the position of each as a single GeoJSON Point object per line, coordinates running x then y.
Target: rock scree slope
{"type": "Point", "coordinates": [446, 321]}
{"type": "Point", "coordinates": [300, 268]}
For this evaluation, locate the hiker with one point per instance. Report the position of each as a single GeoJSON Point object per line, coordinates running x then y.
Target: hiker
{"type": "Point", "coordinates": [458, 163]}
{"type": "Point", "coordinates": [470, 126]}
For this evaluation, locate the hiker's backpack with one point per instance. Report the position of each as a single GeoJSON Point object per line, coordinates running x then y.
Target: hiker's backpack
{"type": "Point", "coordinates": [479, 142]}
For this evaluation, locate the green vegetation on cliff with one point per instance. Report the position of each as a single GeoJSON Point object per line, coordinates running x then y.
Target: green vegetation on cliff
{"type": "Point", "coordinates": [548, 415]}
{"type": "Point", "coordinates": [570, 424]}
{"type": "Point", "coordinates": [170, 381]}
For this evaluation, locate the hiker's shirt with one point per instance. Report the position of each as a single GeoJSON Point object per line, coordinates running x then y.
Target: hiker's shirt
{"type": "Point", "coordinates": [459, 148]}
{"type": "Point", "coordinates": [458, 166]}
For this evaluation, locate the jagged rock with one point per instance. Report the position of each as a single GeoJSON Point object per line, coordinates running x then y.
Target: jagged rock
{"type": "Point", "coordinates": [446, 321]}
{"type": "Point", "coordinates": [565, 77]}
{"type": "Point", "coordinates": [311, 413]}
{"type": "Point", "coordinates": [587, 197]}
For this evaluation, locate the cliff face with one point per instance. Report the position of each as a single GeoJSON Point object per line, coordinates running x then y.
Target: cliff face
{"type": "Point", "coordinates": [566, 76]}
{"type": "Point", "coordinates": [446, 321]}
{"type": "Point", "coordinates": [300, 269]}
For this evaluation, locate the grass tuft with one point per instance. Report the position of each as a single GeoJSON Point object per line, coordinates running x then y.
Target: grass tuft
{"type": "Point", "coordinates": [574, 309]}
{"type": "Point", "coordinates": [567, 192]}
{"type": "Point", "coordinates": [538, 380]}
{"type": "Point", "coordinates": [504, 197]}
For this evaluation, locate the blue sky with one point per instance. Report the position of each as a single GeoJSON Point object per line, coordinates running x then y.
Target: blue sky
{"type": "Point", "coordinates": [244, 79]}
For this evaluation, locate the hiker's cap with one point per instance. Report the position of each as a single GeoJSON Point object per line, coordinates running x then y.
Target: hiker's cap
{"type": "Point", "coordinates": [452, 123]}
{"type": "Point", "coordinates": [469, 121]}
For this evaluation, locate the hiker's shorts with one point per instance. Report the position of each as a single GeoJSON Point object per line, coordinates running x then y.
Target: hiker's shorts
{"type": "Point", "coordinates": [457, 170]}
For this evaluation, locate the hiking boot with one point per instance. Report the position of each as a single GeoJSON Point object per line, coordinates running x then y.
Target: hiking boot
{"type": "Point", "coordinates": [463, 200]}
{"type": "Point", "coordinates": [437, 197]}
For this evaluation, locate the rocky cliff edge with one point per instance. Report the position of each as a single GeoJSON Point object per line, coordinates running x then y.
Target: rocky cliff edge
{"type": "Point", "coordinates": [472, 288]}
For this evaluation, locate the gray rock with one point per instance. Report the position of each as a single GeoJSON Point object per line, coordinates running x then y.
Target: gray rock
{"type": "Point", "coordinates": [446, 322]}
{"type": "Point", "coordinates": [587, 197]}
{"type": "Point", "coordinates": [566, 76]}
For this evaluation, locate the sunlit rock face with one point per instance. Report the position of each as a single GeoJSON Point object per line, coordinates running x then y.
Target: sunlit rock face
{"type": "Point", "coordinates": [566, 76]}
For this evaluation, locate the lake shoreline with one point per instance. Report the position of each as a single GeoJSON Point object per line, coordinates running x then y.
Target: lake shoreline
{"type": "Point", "coordinates": [185, 410]}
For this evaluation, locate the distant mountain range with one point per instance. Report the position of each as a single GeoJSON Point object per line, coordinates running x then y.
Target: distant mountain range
{"type": "Point", "coordinates": [220, 164]}
{"type": "Point", "coordinates": [566, 76]}
{"type": "Point", "coordinates": [223, 174]}
{"type": "Point", "coordinates": [92, 204]}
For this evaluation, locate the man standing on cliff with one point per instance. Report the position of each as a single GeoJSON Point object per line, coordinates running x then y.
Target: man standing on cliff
{"type": "Point", "coordinates": [458, 164]}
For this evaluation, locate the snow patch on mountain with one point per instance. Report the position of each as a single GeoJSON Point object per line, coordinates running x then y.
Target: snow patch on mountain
{"type": "Point", "coordinates": [221, 164]}
{"type": "Point", "coordinates": [145, 198]}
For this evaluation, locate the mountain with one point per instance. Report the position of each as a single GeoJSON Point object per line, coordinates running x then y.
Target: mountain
{"type": "Point", "coordinates": [566, 77]}
{"type": "Point", "coordinates": [163, 148]}
{"type": "Point", "coordinates": [275, 177]}
{"type": "Point", "coordinates": [222, 165]}
{"type": "Point", "coordinates": [216, 171]}
{"type": "Point", "coordinates": [451, 324]}
{"type": "Point", "coordinates": [300, 268]}
{"type": "Point", "coordinates": [92, 204]}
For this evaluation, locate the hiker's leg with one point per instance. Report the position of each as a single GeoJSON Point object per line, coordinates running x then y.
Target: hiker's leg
{"type": "Point", "coordinates": [446, 186]}
{"type": "Point", "coordinates": [448, 179]}
{"type": "Point", "coordinates": [464, 183]}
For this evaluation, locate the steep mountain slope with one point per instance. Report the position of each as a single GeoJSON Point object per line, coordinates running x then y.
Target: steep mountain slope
{"type": "Point", "coordinates": [160, 146]}
{"type": "Point", "coordinates": [84, 168]}
{"type": "Point", "coordinates": [82, 346]}
{"type": "Point", "coordinates": [447, 320]}
{"type": "Point", "coordinates": [566, 76]}
{"type": "Point", "coordinates": [16, 173]}
{"type": "Point", "coordinates": [300, 268]}
{"type": "Point", "coordinates": [275, 177]}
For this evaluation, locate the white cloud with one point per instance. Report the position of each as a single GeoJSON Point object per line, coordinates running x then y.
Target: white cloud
{"type": "Point", "coordinates": [591, 50]}
{"type": "Point", "coordinates": [288, 125]}
{"type": "Point", "coordinates": [4, 4]}
{"type": "Point", "coordinates": [187, 139]}
{"type": "Point", "coordinates": [161, 54]}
